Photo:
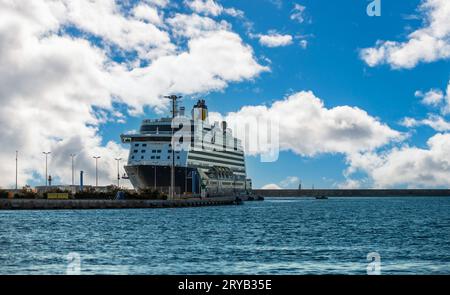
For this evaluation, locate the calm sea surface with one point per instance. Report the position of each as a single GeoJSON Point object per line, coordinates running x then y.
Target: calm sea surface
{"type": "Point", "coordinates": [277, 236]}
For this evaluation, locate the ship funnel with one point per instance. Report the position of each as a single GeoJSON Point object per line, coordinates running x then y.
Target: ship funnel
{"type": "Point", "coordinates": [200, 111]}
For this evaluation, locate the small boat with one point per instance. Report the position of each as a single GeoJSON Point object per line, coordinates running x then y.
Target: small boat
{"type": "Point", "coordinates": [321, 198]}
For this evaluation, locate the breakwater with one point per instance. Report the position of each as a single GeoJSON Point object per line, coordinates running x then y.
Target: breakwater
{"type": "Point", "coordinates": [353, 192]}
{"type": "Point", "coordinates": [43, 204]}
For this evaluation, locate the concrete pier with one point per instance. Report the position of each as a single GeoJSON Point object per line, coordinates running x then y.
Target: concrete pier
{"type": "Point", "coordinates": [43, 204]}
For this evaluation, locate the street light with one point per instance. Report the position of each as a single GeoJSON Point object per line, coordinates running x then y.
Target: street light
{"type": "Point", "coordinates": [172, 167]}
{"type": "Point", "coordinates": [96, 169]}
{"type": "Point", "coordinates": [73, 180]}
{"type": "Point", "coordinates": [46, 174]}
{"type": "Point", "coordinates": [118, 170]}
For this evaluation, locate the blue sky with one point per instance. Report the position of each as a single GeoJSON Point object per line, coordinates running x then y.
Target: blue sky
{"type": "Point", "coordinates": [118, 48]}
{"type": "Point", "coordinates": [330, 66]}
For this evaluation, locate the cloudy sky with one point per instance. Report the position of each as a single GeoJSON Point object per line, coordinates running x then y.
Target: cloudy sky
{"type": "Point", "coordinates": [363, 101]}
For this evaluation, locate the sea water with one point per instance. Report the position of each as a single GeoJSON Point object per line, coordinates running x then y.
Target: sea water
{"type": "Point", "coordinates": [277, 236]}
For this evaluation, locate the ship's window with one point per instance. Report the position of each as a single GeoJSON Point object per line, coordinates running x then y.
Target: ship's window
{"type": "Point", "coordinates": [170, 151]}
{"type": "Point", "coordinates": [136, 144]}
{"type": "Point", "coordinates": [135, 151]}
{"type": "Point", "coordinates": [153, 151]}
{"type": "Point", "coordinates": [144, 144]}
{"type": "Point", "coordinates": [143, 151]}
{"type": "Point", "coordinates": [153, 157]}
{"type": "Point", "coordinates": [168, 157]}
{"type": "Point", "coordinates": [170, 145]}
{"type": "Point", "coordinates": [154, 128]}
{"type": "Point", "coordinates": [132, 157]}
{"type": "Point", "coordinates": [159, 151]}
{"type": "Point", "coordinates": [158, 157]}
{"type": "Point", "coordinates": [178, 157]}
{"type": "Point", "coordinates": [142, 157]}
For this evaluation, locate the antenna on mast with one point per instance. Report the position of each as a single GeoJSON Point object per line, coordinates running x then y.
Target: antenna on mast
{"type": "Point", "coordinates": [174, 99]}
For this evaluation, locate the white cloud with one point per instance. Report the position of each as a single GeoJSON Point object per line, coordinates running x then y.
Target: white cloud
{"type": "Point", "coordinates": [407, 166]}
{"type": "Point", "coordinates": [308, 128]}
{"type": "Point", "coordinates": [433, 97]}
{"type": "Point", "coordinates": [210, 63]}
{"type": "Point", "coordinates": [436, 98]}
{"type": "Point", "coordinates": [446, 108]}
{"type": "Point", "coordinates": [159, 3]}
{"type": "Point", "coordinates": [212, 8]}
{"type": "Point", "coordinates": [209, 7]}
{"type": "Point", "coordinates": [350, 184]}
{"type": "Point", "coordinates": [271, 186]}
{"type": "Point", "coordinates": [57, 90]}
{"type": "Point", "coordinates": [148, 13]}
{"type": "Point", "coordinates": [275, 40]}
{"type": "Point", "coordinates": [298, 13]}
{"type": "Point", "coordinates": [290, 182]}
{"type": "Point", "coordinates": [234, 12]}
{"type": "Point", "coordinates": [303, 44]}
{"type": "Point", "coordinates": [436, 122]}
{"type": "Point", "coordinates": [194, 25]}
{"type": "Point", "coordinates": [48, 95]}
{"type": "Point", "coordinates": [105, 19]}
{"type": "Point", "coordinates": [277, 3]}
{"type": "Point", "coordinates": [409, 122]}
{"type": "Point", "coordinates": [427, 44]}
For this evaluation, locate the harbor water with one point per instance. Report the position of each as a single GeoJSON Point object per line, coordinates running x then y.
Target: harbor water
{"type": "Point", "coordinates": [277, 236]}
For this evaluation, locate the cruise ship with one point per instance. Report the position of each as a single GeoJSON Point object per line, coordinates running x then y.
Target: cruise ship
{"type": "Point", "coordinates": [208, 161]}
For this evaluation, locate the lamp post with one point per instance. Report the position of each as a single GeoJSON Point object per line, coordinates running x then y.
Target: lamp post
{"type": "Point", "coordinates": [96, 170]}
{"type": "Point", "coordinates": [73, 166]}
{"type": "Point", "coordinates": [172, 167]}
{"type": "Point", "coordinates": [17, 155]}
{"type": "Point", "coordinates": [118, 171]}
{"type": "Point", "coordinates": [46, 174]}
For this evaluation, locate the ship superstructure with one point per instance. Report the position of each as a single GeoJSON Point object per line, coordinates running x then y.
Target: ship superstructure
{"type": "Point", "coordinates": [208, 160]}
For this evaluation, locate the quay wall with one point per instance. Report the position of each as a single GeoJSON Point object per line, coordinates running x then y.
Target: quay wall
{"type": "Point", "coordinates": [44, 204]}
{"type": "Point", "coordinates": [352, 192]}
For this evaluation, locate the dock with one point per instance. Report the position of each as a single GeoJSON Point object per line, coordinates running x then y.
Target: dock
{"type": "Point", "coordinates": [44, 204]}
